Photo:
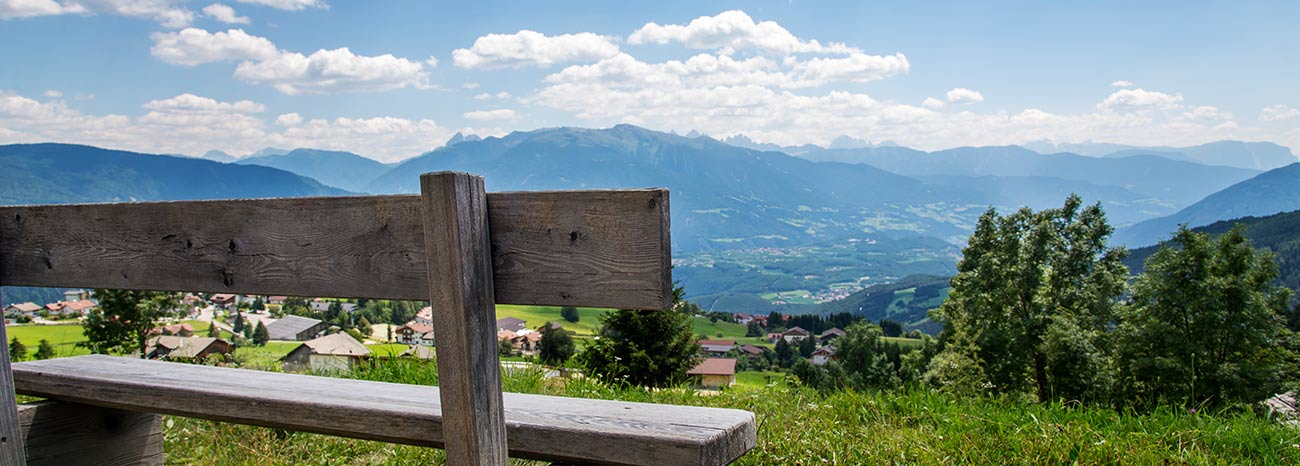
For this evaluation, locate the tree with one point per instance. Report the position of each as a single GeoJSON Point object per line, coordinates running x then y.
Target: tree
{"type": "Point", "coordinates": [570, 313]}
{"type": "Point", "coordinates": [753, 330]}
{"type": "Point", "coordinates": [892, 328]}
{"type": "Point", "coordinates": [556, 347]}
{"type": "Point", "coordinates": [1028, 275]}
{"type": "Point", "coordinates": [260, 335]}
{"type": "Point", "coordinates": [238, 324]}
{"type": "Point", "coordinates": [505, 348]}
{"type": "Point", "coordinates": [124, 319]}
{"type": "Point", "coordinates": [214, 331]}
{"type": "Point", "coordinates": [785, 355]}
{"type": "Point", "coordinates": [258, 305]}
{"type": "Point", "coordinates": [644, 348]}
{"type": "Point", "coordinates": [806, 346]}
{"type": "Point", "coordinates": [862, 354]}
{"type": "Point", "coordinates": [1206, 323]}
{"type": "Point", "coordinates": [17, 350]}
{"type": "Point", "coordinates": [44, 350]}
{"type": "Point", "coordinates": [248, 332]}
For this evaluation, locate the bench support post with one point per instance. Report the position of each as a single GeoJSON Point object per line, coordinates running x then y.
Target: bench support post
{"type": "Point", "coordinates": [464, 317]}
{"type": "Point", "coordinates": [72, 434]}
{"type": "Point", "coordinates": [11, 440]}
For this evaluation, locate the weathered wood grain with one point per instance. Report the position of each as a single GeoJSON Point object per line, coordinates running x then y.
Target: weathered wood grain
{"type": "Point", "coordinates": [578, 248]}
{"type": "Point", "coordinates": [469, 370]}
{"type": "Point", "coordinates": [538, 427]}
{"type": "Point", "coordinates": [11, 440]}
{"type": "Point", "coordinates": [58, 433]}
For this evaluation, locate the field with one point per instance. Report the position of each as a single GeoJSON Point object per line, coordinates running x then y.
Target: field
{"type": "Point", "coordinates": [802, 427]}
{"type": "Point", "coordinates": [65, 337]}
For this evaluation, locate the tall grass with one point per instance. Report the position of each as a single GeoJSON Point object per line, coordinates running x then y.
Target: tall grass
{"type": "Point", "coordinates": [804, 427]}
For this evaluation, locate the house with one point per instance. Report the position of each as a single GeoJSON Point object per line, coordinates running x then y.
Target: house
{"type": "Point", "coordinates": [322, 306]}
{"type": "Point", "coordinates": [829, 334]}
{"type": "Point", "coordinates": [753, 350]}
{"type": "Point", "coordinates": [186, 348]}
{"type": "Point", "coordinates": [425, 316]}
{"type": "Point", "coordinates": [511, 324]}
{"type": "Point", "coordinates": [794, 334]}
{"type": "Point", "coordinates": [76, 295]}
{"type": "Point", "coordinates": [760, 320]}
{"type": "Point", "coordinates": [224, 300]}
{"type": "Point", "coordinates": [69, 308]}
{"type": "Point", "coordinates": [277, 300]}
{"type": "Point", "coordinates": [334, 352]}
{"type": "Point", "coordinates": [524, 342]}
{"type": "Point", "coordinates": [823, 355]}
{"type": "Point", "coordinates": [715, 373]}
{"type": "Point", "coordinates": [14, 311]}
{"type": "Point", "coordinates": [418, 352]}
{"type": "Point", "coordinates": [742, 319]}
{"type": "Point", "coordinates": [550, 326]}
{"type": "Point", "coordinates": [716, 347]}
{"type": "Point", "coordinates": [179, 330]}
{"type": "Point", "coordinates": [295, 328]}
{"type": "Point", "coordinates": [413, 333]}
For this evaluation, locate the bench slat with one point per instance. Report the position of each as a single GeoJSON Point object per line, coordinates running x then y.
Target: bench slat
{"type": "Point", "coordinates": [538, 427]}
{"type": "Point", "coordinates": [563, 248]}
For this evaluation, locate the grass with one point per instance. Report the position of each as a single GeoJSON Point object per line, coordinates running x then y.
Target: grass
{"type": "Point", "coordinates": [65, 337]}
{"type": "Point", "coordinates": [800, 426]}
{"type": "Point", "coordinates": [588, 318]}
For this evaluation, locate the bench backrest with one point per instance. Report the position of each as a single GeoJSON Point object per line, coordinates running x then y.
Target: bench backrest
{"type": "Point", "coordinates": [455, 245]}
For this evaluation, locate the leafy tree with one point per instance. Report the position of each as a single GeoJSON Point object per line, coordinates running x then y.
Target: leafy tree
{"type": "Point", "coordinates": [17, 350]}
{"type": "Point", "coordinates": [124, 319]}
{"type": "Point", "coordinates": [753, 330]}
{"type": "Point", "coordinates": [1206, 323]}
{"type": "Point", "coordinates": [364, 324]}
{"type": "Point", "coordinates": [644, 348]}
{"type": "Point", "coordinates": [258, 305]}
{"type": "Point", "coordinates": [556, 347]}
{"type": "Point", "coordinates": [505, 348]}
{"type": "Point", "coordinates": [352, 332]}
{"type": "Point", "coordinates": [807, 346]}
{"type": "Point", "coordinates": [785, 355]}
{"type": "Point", "coordinates": [1022, 278]}
{"type": "Point", "coordinates": [863, 356]}
{"type": "Point", "coordinates": [214, 331]}
{"type": "Point", "coordinates": [570, 313]}
{"type": "Point", "coordinates": [44, 350]}
{"type": "Point", "coordinates": [892, 328]}
{"type": "Point", "coordinates": [261, 335]}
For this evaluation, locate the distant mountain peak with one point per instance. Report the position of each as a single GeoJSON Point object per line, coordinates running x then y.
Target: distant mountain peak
{"type": "Point", "coordinates": [268, 151]}
{"type": "Point", "coordinates": [460, 137]}
{"type": "Point", "coordinates": [218, 156]}
{"type": "Point", "coordinates": [848, 142]}
{"type": "Point", "coordinates": [693, 134]}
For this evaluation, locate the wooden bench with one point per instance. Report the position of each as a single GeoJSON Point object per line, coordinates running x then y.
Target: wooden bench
{"type": "Point", "coordinates": [456, 245]}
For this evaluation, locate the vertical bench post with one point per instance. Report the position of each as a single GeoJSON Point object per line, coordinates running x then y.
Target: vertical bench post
{"type": "Point", "coordinates": [11, 439]}
{"type": "Point", "coordinates": [464, 317]}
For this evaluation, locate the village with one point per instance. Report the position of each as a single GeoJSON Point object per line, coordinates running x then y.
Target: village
{"type": "Point", "coordinates": [214, 328]}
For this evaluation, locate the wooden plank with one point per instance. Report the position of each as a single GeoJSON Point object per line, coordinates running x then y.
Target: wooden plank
{"type": "Point", "coordinates": [578, 248]}
{"type": "Point", "coordinates": [538, 427]}
{"type": "Point", "coordinates": [469, 370]}
{"type": "Point", "coordinates": [69, 434]}
{"type": "Point", "coordinates": [11, 440]}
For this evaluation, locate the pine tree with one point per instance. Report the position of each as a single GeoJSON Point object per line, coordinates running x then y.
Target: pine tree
{"type": "Point", "coordinates": [214, 331]}
{"type": "Point", "coordinates": [238, 324]}
{"type": "Point", "coordinates": [17, 350]}
{"type": "Point", "coordinates": [260, 335]}
{"type": "Point", "coordinates": [45, 350]}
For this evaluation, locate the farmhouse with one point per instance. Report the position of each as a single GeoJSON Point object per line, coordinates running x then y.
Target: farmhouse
{"type": "Point", "coordinates": [295, 328]}
{"type": "Point", "coordinates": [179, 330]}
{"type": "Point", "coordinates": [22, 309]}
{"type": "Point", "coordinates": [425, 316]}
{"type": "Point", "coordinates": [829, 334]}
{"type": "Point", "coordinates": [795, 334]}
{"type": "Point", "coordinates": [716, 347]}
{"type": "Point", "coordinates": [186, 348]}
{"type": "Point", "coordinates": [753, 350]}
{"type": "Point", "coordinates": [224, 300]}
{"type": "Point", "coordinates": [511, 324]}
{"type": "Point", "coordinates": [414, 333]}
{"type": "Point", "coordinates": [336, 352]}
{"type": "Point", "coordinates": [524, 342]}
{"type": "Point", "coordinates": [715, 373]}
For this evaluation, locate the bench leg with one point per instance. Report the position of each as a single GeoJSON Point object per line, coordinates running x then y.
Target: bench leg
{"type": "Point", "coordinates": [58, 433]}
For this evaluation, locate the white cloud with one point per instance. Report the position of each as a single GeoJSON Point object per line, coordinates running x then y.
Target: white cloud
{"type": "Point", "coordinates": [531, 48]}
{"type": "Point", "coordinates": [289, 5]}
{"type": "Point", "coordinates": [731, 31]}
{"type": "Point", "coordinates": [932, 103]}
{"type": "Point", "coordinates": [288, 119]}
{"type": "Point", "coordinates": [193, 103]}
{"type": "Point", "coordinates": [191, 124]}
{"type": "Point", "coordinates": [329, 71]}
{"type": "Point", "coordinates": [1139, 99]}
{"type": "Point", "coordinates": [1207, 112]}
{"type": "Point", "coordinates": [489, 96]}
{"type": "Point", "coordinates": [53, 94]}
{"type": "Point", "coordinates": [963, 95]}
{"type": "Point", "coordinates": [192, 46]}
{"type": "Point", "coordinates": [1278, 113]}
{"type": "Point", "coordinates": [498, 114]}
{"type": "Point", "coordinates": [857, 67]}
{"type": "Point", "coordinates": [224, 14]}
{"type": "Point", "coordinates": [1121, 83]}
{"type": "Point", "coordinates": [470, 86]}
{"type": "Point", "coordinates": [165, 12]}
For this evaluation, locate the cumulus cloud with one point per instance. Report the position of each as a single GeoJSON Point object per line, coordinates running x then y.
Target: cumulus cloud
{"type": "Point", "coordinates": [288, 5]}
{"type": "Point", "coordinates": [1140, 99]}
{"type": "Point", "coordinates": [932, 103]}
{"type": "Point", "coordinates": [261, 62]}
{"type": "Point", "coordinates": [731, 31]}
{"type": "Point", "coordinates": [531, 48]}
{"type": "Point", "coordinates": [489, 96]}
{"type": "Point", "coordinates": [192, 124]}
{"type": "Point", "coordinates": [53, 94]}
{"type": "Point", "coordinates": [1278, 113]}
{"type": "Point", "coordinates": [329, 71]}
{"type": "Point", "coordinates": [1121, 83]}
{"type": "Point", "coordinates": [224, 14]}
{"type": "Point", "coordinates": [1207, 112]}
{"type": "Point", "coordinates": [192, 47]}
{"type": "Point", "coordinates": [165, 12]}
{"type": "Point", "coordinates": [498, 114]}
{"type": "Point", "coordinates": [963, 95]}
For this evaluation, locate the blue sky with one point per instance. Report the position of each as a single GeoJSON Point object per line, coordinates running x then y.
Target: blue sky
{"type": "Point", "coordinates": [392, 79]}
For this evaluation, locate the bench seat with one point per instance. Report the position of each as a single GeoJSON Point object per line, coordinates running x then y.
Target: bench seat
{"type": "Point", "coordinates": [569, 430]}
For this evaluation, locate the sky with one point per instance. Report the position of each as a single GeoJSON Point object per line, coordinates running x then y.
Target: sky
{"type": "Point", "coordinates": [393, 79]}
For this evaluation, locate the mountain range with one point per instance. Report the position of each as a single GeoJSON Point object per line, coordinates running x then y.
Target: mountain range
{"type": "Point", "coordinates": [335, 168]}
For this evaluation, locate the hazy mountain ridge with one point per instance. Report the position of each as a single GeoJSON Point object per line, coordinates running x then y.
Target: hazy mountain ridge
{"type": "Point", "coordinates": [334, 168]}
